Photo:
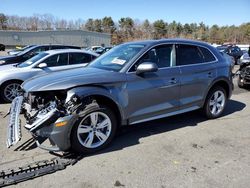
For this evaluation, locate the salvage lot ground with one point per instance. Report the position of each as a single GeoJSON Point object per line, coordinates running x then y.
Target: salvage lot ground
{"type": "Point", "coordinates": [181, 151]}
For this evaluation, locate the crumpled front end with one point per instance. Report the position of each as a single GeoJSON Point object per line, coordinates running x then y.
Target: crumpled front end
{"type": "Point", "coordinates": [49, 116]}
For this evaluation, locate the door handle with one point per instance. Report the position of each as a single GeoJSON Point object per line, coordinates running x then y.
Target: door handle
{"type": "Point", "coordinates": [210, 74]}
{"type": "Point", "coordinates": [173, 81]}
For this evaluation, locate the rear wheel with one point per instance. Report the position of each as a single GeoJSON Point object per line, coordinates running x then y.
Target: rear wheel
{"type": "Point", "coordinates": [10, 90]}
{"type": "Point", "coordinates": [215, 102]}
{"type": "Point", "coordinates": [94, 131]}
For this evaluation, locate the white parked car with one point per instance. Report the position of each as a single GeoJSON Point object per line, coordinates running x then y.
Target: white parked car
{"type": "Point", "coordinates": [12, 76]}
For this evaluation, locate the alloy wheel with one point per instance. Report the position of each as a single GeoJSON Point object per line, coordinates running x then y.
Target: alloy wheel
{"type": "Point", "coordinates": [217, 102]}
{"type": "Point", "coordinates": [11, 91]}
{"type": "Point", "coordinates": [94, 130]}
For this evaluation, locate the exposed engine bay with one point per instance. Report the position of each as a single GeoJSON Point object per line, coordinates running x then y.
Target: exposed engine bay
{"type": "Point", "coordinates": [44, 112]}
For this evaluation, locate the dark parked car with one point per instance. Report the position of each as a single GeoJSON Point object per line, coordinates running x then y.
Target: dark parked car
{"type": "Point", "coordinates": [244, 71]}
{"type": "Point", "coordinates": [30, 52]}
{"type": "Point", "coordinates": [233, 51]}
{"type": "Point", "coordinates": [102, 50]}
{"type": "Point", "coordinates": [16, 51]}
{"type": "Point", "coordinates": [82, 109]}
{"type": "Point", "coordinates": [2, 47]}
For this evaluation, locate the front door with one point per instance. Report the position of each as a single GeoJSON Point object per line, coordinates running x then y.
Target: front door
{"type": "Point", "coordinates": [153, 95]}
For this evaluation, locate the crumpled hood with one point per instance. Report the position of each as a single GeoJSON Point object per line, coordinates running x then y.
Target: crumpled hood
{"type": "Point", "coordinates": [71, 78]}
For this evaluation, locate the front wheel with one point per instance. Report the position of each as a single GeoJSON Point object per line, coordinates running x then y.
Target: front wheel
{"type": "Point", "coordinates": [94, 131]}
{"type": "Point", "coordinates": [10, 90]}
{"type": "Point", "coordinates": [215, 102]}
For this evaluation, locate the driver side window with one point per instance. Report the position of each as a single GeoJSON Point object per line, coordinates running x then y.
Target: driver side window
{"type": "Point", "coordinates": [57, 60]}
{"type": "Point", "coordinates": [160, 55]}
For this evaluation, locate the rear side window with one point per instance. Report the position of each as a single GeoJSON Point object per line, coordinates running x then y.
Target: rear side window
{"type": "Point", "coordinates": [207, 55]}
{"type": "Point", "coordinates": [188, 54]}
{"type": "Point", "coordinates": [57, 60]}
{"type": "Point", "coordinates": [77, 58]}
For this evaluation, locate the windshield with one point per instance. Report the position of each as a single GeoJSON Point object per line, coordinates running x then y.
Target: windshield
{"type": "Point", "coordinates": [32, 60]}
{"type": "Point", "coordinates": [26, 47]}
{"type": "Point", "coordinates": [116, 58]}
{"type": "Point", "coordinates": [26, 50]}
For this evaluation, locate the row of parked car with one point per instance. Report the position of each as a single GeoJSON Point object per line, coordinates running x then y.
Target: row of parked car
{"type": "Point", "coordinates": [36, 60]}
{"type": "Point", "coordinates": [232, 50]}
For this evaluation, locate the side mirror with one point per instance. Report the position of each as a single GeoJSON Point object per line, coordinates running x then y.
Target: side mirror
{"type": "Point", "coordinates": [42, 65]}
{"type": "Point", "coordinates": [146, 67]}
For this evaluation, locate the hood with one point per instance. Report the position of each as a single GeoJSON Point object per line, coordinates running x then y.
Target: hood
{"type": "Point", "coordinates": [13, 69]}
{"type": "Point", "coordinates": [71, 78]}
{"type": "Point", "coordinates": [7, 68]}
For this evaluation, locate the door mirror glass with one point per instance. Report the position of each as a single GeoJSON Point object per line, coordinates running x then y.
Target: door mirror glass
{"type": "Point", "coordinates": [42, 65]}
{"type": "Point", "coordinates": [146, 67]}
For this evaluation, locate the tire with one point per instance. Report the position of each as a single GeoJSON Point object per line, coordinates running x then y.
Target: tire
{"type": "Point", "coordinates": [86, 137]}
{"type": "Point", "coordinates": [7, 94]}
{"type": "Point", "coordinates": [240, 84]}
{"type": "Point", "coordinates": [214, 105]}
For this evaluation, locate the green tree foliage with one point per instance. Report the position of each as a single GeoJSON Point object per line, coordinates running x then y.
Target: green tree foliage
{"type": "Point", "coordinates": [108, 25]}
{"type": "Point", "coordinates": [160, 29]}
{"type": "Point", "coordinates": [89, 25]}
{"type": "Point", "coordinates": [146, 30]}
{"type": "Point", "coordinates": [3, 21]}
{"type": "Point", "coordinates": [97, 25]}
{"type": "Point", "coordinates": [126, 25]}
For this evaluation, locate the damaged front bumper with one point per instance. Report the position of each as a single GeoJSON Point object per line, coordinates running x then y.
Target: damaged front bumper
{"type": "Point", "coordinates": [46, 125]}
{"type": "Point", "coordinates": [14, 128]}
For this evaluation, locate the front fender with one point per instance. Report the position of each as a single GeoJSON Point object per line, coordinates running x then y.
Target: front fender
{"type": "Point", "coordinates": [113, 94]}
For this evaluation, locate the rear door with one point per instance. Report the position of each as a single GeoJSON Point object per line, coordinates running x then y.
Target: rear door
{"type": "Point", "coordinates": [197, 66]}
{"type": "Point", "coordinates": [153, 95]}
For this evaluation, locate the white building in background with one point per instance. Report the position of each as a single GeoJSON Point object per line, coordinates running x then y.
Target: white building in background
{"type": "Point", "coordinates": [67, 37]}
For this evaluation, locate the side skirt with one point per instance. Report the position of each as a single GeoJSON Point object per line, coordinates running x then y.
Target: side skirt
{"type": "Point", "coordinates": [166, 115]}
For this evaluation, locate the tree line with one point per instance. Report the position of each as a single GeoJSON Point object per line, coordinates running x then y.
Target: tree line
{"type": "Point", "coordinates": [128, 29]}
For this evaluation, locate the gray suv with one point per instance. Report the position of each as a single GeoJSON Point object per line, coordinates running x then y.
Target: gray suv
{"type": "Point", "coordinates": [82, 109]}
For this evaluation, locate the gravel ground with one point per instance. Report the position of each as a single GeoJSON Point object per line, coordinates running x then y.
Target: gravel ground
{"type": "Point", "coordinates": [181, 151]}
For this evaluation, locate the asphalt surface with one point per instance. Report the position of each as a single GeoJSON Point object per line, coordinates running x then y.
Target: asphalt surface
{"type": "Point", "coordinates": [181, 151]}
